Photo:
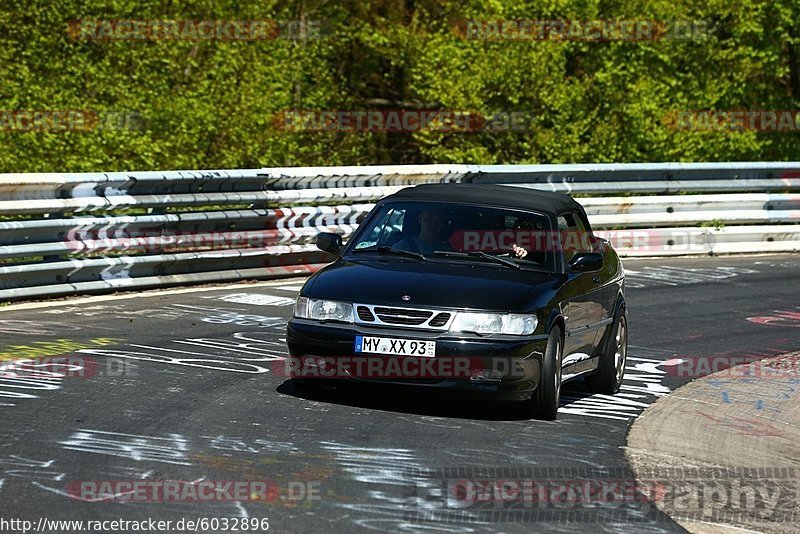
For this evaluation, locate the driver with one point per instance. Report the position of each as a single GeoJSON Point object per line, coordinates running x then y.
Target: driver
{"type": "Point", "coordinates": [433, 233]}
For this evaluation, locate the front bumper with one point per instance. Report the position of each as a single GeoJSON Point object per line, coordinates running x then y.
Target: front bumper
{"type": "Point", "coordinates": [505, 368]}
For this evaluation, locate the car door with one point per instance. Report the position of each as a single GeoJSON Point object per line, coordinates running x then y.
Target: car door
{"type": "Point", "coordinates": [583, 309]}
{"type": "Point", "coordinates": [609, 287]}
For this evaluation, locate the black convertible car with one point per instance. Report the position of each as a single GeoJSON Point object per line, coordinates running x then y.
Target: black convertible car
{"type": "Point", "coordinates": [488, 289]}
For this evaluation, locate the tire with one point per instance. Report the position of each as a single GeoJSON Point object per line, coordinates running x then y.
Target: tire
{"type": "Point", "coordinates": [548, 393]}
{"type": "Point", "coordinates": [611, 368]}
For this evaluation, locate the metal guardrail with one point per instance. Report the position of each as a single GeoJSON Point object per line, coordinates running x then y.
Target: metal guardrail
{"type": "Point", "coordinates": [69, 233]}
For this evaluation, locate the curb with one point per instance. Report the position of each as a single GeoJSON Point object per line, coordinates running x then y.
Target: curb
{"type": "Point", "coordinates": [746, 420]}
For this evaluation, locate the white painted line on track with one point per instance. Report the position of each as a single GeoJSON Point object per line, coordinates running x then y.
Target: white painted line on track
{"type": "Point", "coordinates": [290, 288]}
{"type": "Point", "coordinates": [145, 294]}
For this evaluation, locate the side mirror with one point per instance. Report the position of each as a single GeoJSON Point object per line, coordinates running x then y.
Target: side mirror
{"type": "Point", "coordinates": [584, 262]}
{"type": "Point", "coordinates": [329, 242]}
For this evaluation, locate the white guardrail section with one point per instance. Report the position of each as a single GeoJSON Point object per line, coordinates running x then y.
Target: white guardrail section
{"type": "Point", "coordinates": [91, 232]}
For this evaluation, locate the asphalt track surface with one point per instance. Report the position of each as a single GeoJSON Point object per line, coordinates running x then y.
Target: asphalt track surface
{"type": "Point", "coordinates": [185, 386]}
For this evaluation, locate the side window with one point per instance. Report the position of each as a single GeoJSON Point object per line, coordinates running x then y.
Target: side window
{"type": "Point", "coordinates": [385, 231]}
{"type": "Point", "coordinates": [573, 236]}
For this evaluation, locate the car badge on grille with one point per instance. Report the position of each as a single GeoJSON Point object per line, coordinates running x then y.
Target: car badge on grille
{"type": "Point", "coordinates": [406, 297]}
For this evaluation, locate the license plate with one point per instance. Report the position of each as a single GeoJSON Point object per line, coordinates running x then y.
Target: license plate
{"type": "Point", "coordinates": [399, 347]}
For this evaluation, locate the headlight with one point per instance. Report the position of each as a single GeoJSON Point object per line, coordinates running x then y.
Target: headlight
{"type": "Point", "coordinates": [494, 323]}
{"type": "Point", "coordinates": [323, 310]}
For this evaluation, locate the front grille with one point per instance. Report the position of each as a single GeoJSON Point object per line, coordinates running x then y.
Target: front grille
{"type": "Point", "coordinates": [440, 320]}
{"type": "Point", "coordinates": [402, 316]}
{"type": "Point", "coordinates": [382, 315]}
{"type": "Point", "coordinates": [364, 314]}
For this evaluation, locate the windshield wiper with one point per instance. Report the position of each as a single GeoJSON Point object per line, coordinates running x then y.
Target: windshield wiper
{"type": "Point", "coordinates": [495, 259]}
{"type": "Point", "coordinates": [391, 250]}
{"type": "Point", "coordinates": [478, 254]}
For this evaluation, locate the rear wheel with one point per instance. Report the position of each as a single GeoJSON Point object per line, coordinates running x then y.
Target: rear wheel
{"type": "Point", "coordinates": [611, 369]}
{"type": "Point", "coordinates": [548, 394]}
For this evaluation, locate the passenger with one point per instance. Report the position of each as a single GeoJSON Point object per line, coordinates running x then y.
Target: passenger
{"type": "Point", "coordinates": [520, 226]}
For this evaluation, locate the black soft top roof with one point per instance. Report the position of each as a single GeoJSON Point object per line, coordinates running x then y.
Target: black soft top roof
{"type": "Point", "coordinates": [492, 194]}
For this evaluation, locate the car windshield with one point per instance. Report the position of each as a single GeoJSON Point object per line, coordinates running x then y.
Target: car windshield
{"type": "Point", "coordinates": [442, 231]}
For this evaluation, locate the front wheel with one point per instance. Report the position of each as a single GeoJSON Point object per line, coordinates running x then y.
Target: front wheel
{"type": "Point", "coordinates": [611, 368]}
{"type": "Point", "coordinates": [548, 394]}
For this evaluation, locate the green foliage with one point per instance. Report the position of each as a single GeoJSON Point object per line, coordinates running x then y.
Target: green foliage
{"type": "Point", "coordinates": [217, 104]}
{"type": "Point", "coordinates": [717, 224]}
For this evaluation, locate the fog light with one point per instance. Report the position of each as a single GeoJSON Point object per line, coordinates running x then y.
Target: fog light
{"type": "Point", "coordinates": [486, 375]}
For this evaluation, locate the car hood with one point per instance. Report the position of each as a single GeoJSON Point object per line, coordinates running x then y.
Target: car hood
{"type": "Point", "coordinates": [440, 284]}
